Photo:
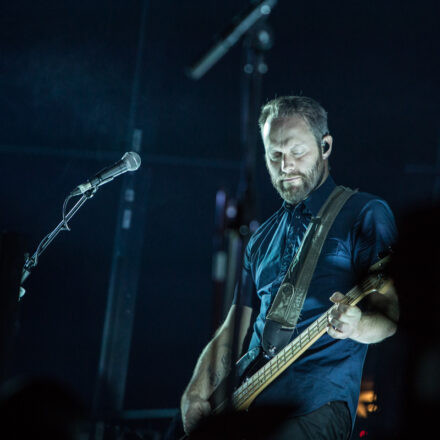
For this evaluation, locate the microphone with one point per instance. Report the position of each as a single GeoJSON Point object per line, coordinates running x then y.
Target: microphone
{"type": "Point", "coordinates": [130, 161]}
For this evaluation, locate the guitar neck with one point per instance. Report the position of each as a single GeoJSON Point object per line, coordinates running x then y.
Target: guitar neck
{"type": "Point", "coordinates": [249, 390]}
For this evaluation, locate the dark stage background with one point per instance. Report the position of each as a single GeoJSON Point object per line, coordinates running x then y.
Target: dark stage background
{"type": "Point", "coordinates": [68, 103]}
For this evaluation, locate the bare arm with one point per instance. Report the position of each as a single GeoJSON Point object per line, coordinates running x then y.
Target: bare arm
{"type": "Point", "coordinates": [213, 365]}
{"type": "Point", "coordinates": [368, 327]}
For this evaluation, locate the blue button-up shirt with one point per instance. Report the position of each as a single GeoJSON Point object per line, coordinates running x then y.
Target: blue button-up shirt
{"type": "Point", "coordinates": [331, 369]}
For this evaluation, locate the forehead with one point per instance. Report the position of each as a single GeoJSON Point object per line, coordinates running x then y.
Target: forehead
{"type": "Point", "coordinates": [280, 132]}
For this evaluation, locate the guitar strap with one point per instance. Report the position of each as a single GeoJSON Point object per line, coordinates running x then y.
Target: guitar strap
{"type": "Point", "coordinates": [289, 300]}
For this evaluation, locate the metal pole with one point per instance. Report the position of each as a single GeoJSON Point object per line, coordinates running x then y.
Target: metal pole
{"type": "Point", "coordinates": [118, 325]}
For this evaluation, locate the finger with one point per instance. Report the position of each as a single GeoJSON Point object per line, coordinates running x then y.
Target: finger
{"type": "Point", "coordinates": [339, 311]}
{"type": "Point", "coordinates": [337, 297]}
{"type": "Point", "coordinates": [339, 330]}
{"type": "Point", "coordinates": [334, 333]}
{"type": "Point", "coordinates": [350, 315]}
{"type": "Point", "coordinates": [342, 308]}
{"type": "Point", "coordinates": [337, 325]}
{"type": "Point", "coordinates": [334, 313]}
{"type": "Point", "coordinates": [354, 311]}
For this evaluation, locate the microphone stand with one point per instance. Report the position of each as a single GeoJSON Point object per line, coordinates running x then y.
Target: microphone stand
{"type": "Point", "coordinates": [32, 261]}
{"type": "Point", "coordinates": [250, 26]}
{"type": "Point", "coordinates": [243, 23]}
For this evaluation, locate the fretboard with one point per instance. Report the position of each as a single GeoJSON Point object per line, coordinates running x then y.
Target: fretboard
{"type": "Point", "coordinates": [249, 390]}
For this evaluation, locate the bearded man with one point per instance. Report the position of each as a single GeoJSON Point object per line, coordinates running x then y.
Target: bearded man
{"type": "Point", "coordinates": [322, 386]}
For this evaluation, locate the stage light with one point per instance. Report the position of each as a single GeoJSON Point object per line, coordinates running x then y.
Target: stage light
{"type": "Point", "coordinates": [367, 400]}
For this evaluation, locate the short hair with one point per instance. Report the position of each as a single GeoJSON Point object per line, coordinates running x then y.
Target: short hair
{"type": "Point", "coordinates": [310, 110]}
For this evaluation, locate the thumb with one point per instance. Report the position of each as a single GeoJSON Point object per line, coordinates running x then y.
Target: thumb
{"type": "Point", "coordinates": [337, 297]}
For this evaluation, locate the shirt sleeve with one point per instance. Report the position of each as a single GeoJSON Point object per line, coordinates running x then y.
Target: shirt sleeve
{"type": "Point", "coordinates": [374, 233]}
{"type": "Point", "coordinates": [245, 292]}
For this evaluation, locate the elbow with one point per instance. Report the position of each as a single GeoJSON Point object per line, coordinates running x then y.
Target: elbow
{"type": "Point", "coordinates": [392, 328]}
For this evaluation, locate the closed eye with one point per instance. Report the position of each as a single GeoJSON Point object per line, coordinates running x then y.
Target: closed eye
{"type": "Point", "coordinates": [275, 156]}
{"type": "Point", "coordinates": [299, 152]}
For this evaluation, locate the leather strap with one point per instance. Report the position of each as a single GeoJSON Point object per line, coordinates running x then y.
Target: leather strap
{"type": "Point", "coordinates": [289, 300]}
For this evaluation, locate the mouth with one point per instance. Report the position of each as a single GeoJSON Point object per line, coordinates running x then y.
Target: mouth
{"type": "Point", "coordinates": [292, 179]}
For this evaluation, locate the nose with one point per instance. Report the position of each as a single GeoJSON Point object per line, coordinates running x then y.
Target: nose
{"type": "Point", "coordinates": [287, 163]}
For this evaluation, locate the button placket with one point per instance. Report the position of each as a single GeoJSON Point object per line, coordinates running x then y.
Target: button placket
{"type": "Point", "coordinates": [288, 248]}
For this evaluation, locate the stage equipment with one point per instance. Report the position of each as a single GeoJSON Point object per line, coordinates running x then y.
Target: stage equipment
{"type": "Point", "coordinates": [32, 261]}
{"type": "Point", "coordinates": [121, 300]}
{"type": "Point", "coordinates": [239, 26]}
{"type": "Point", "coordinates": [130, 161]}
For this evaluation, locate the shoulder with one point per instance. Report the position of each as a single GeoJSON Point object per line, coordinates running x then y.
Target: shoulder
{"type": "Point", "coordinates": [363, 206]}
{"type": "Point", "coordinates": [373, 227]}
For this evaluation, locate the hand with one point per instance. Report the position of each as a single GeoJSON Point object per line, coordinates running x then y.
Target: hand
{"type": "Point", "coordinates": [343, 319]}
{"type": "Point", "coordinates": [193, 408]}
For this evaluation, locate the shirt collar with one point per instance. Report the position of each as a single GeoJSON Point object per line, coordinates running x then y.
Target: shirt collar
{"type": "Point", "coordinates": [316, 198]}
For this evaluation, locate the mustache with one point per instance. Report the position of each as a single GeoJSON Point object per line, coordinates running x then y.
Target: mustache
{"type": "Point", "coordinates": [290, 176]}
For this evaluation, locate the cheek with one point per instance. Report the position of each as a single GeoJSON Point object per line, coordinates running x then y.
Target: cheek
{"type": "Point", "coordinates": [309, 162]}
{"type": "Point", "coordinates": [272, 166]}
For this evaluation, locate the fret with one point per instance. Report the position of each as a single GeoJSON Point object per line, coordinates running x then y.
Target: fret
{"type": "Point", "coordinates": [308, 333]}
{"type": "Point", "coordinates": [294, 347]}
{"type": "Point", "coordinates": [266, 369]}
{"type": "Point", "coordinates": [247, 389]}
{"type": "Point", "coordinates": [323, 323]}
{"type": "Point", "coordinates": [323, 320]}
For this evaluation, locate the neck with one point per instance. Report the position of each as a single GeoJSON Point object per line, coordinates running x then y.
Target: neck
{"type": "Point", "coordinates": [325, 174]}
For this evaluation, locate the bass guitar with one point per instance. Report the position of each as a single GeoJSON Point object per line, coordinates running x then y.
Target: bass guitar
{"type": "Point", "coordinates": [262, 376]}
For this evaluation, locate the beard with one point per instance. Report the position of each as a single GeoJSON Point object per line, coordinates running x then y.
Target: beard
{"type": "Point", "coordinates": [299, 190]}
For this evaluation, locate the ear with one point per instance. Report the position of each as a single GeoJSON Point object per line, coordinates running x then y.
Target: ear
{"type": "Point", "coordinates": [326, 145]}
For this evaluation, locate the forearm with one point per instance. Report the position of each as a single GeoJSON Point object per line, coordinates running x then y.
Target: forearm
{"type": "Point", "coordinates": [374, 327]}
{"type": "Point", "coordinates": [215, 361]}
{"type": "Point", "coordinates": [212, 366]}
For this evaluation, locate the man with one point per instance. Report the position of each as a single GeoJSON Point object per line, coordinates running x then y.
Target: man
{"type": "Point", "coordinates": [322, 386]}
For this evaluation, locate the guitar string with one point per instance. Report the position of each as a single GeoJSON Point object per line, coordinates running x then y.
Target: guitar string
{"type": "Point", "coordinates": [285, 355]}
